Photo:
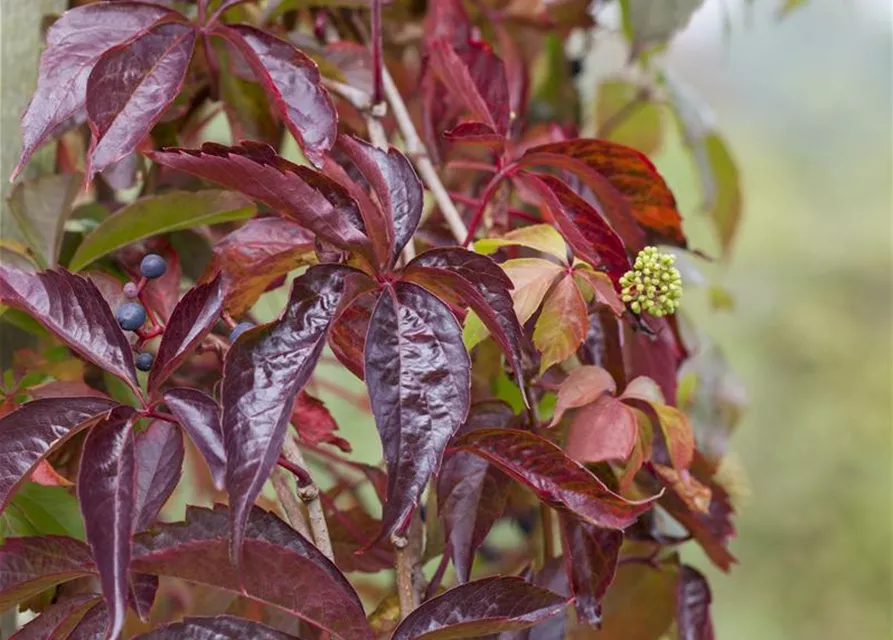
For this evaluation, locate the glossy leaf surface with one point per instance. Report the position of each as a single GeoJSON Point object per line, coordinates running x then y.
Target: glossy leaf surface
{"type": "Point", "coordinates": [75, 43]}
{"type": "Point", "coordinates": [475, 609]}
{"type": "Point", "coordinates": [263, 373]}
{"type": "Point", "coordinates": [72, 308]}
{"type": "Point", "coordinates": [40, 209]}
{"type": "Point", "coordinates": [107, 493]}
{"type": "Point", "coordinates": [158, 456]}
{"type": "Point", "coordinates": [274, 554]}
{"type": "Point", "coordinates": [216, 628]}
{"type": "Point", "coordinates": [29, 433]}
{"type": "Point", "coordinates": [130, 88]}
{"type": "Point", "coordinates": [418, 375]}
{"type": "Point", "coordinates": [292, 83]}
{"type": "Point", "coordinates": [154, 215]}
{"type": "Point", "coordinates": [295, 192]}
{"type": "Point", "coordinates": [32, 564]}
{"type": "Point", "coordinates": [199, 415]}
{"type": "Point", "coordinates": [471, 493]}
{"type": "Point", "coordinates": [590, 559]}
{"type": "Point", "coordinates": [254, 255]}
{"type": "Point", "coordinates": [348, 336]}
{"type": "Point", "coordinates": [693, 606]}
{"type": "Point", "coordinates": [556, 479]}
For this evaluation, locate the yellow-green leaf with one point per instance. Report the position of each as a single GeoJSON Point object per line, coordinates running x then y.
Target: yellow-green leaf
{"type": "Point", "coordinates": [562, 325]}
{"type": "Point", "coordinates": [540, 237]}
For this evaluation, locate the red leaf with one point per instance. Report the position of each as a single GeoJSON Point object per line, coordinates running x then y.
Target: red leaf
{"type": "Point", "coordinates": [584, 229]}
{"type": "Point", "coordinates": [693, 606]}
{"type": "Point", "coordinates": [199, 415]}
{"type": "Point", "coordinates": [603, 430]}
{"type": "Point", "coordinates": [395, 184]}
{"type": "Point", "coordinates": [562, 324]}
{"type": "Point", "coordinates": [590, 556]}
{"type": "Point", "coordinates": [45, 475]}
{"type": "Point", "coordinates": [75, 43]}
{"type": "Point", "coordinates": [192, 319]}
{"type": "Point", "coordinates": [254, 256]}
{"type": "Point", "coordinates": [281, 568]}
{"type": "Point", "coordinates": [263, 373]}
{"type": "Point", "coordinates": [348, 336]}
{"type": "Point", "coordinates": [350, 529]}
{"type": "Point", "coordinates": [32, 564]}
{"type": "Point", "coordinates": [130, 88]}
{"type": "Point", "coordinates": [471, 493]}
{"type": "Point", "coordinates": [72, 308]}
{"type": "Point", "coordinates": [625, 183]}
{"type": "Point", "coordinates": [30, 432]}
{"type": "Point", "coordinates": [216, 628]}
{"type": "Point", "coordinates": [106, 492]}
{"type": "Point", "coordinates": [158, 453]}
{"type": "Point", "coordinates": [419, 379]}
{"type": "Point", "coordinates": [299, 193]}
{"type": "Point", "coordinates": [293, 84]}
{"type": "Point", "coordinates": [483, 286]}
{"type": "Point", "coordinates": [583, 385]}
{"type": "Point", "coordinates": [57, 620]}
{"type": "Point", "coordinates": [677, 436]}
{"type": "Point", "coordinates": [656, 357]}
{"type": "Point", "coordinates": [475, 133]}
{"type": "Point", "coordinates": [475, 76]}
{"type": "Point", "coordinates": [479, 608]}
{"type": "Point", "coordinates": [556, 479]}
{"type": "Point", "coordinates": [314, 423]}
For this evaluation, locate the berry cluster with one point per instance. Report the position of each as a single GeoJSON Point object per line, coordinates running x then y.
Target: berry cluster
{"type": "Point", "coordinates": [131, 316]}
{"type": "Point", "coordinates": [653, 285]}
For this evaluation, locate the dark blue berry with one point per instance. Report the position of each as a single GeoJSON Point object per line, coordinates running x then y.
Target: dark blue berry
{"type": "Point", "coordinates": [239, 329]}
{"type": "Point", "coordinates": [130, 316]}
{"type": "Point", "coordinates": [153, 266]}
{"type": "Point", "coordinates": [144, 361]}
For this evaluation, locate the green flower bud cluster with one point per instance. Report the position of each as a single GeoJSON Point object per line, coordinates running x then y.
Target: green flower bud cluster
{"type": "Point", "coordinates": [654, 285]}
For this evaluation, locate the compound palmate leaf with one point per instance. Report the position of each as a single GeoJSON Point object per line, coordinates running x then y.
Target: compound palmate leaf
{"type": "Point", "coordinates": [75, 43]}
{"type": "Point", "coordinates": [482, 607]}
{"type": "Point", "coordinates": [418, 375]}
{"type": "Point", "coordinates": [28, 434]}
{"type": "Point", "coordinates": [263, 373]}
{"type": "Point", "coordinates": [74, 310]}
{"type": "Point", "coordinates": [32, 564]}
{"type": "Point", "coordinates": [281, 568]}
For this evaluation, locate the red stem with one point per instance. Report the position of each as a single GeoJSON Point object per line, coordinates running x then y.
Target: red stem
{"type": "Point", "coordinates": [303, 478]}
{"type": "Point", "coordinates": [490, 189]}
{"type": "Point", "coordinates": [377, 58]}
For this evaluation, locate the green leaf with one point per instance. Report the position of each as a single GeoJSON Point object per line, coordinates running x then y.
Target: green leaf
{"type": "Point", "coordinates": [649, 24]}
{"type": "Point", "coordinates": [725, 204]}
{"type": "Point", "coordinates": [40, 208]}
{"type": "Point", "coordinates": [172, 211]}
{"type": "Point", "coordinates": [622, 115]}
{"type": "Point", "coordinates": [39, 510]}
{"type": "Point", "coordinates": [541, 237]}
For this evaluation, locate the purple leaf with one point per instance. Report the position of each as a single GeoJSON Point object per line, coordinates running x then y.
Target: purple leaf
{"type": "Point", "coordinates": [590, 559]}
{"type": "Point", "coordinates": [199, 415]}
{"type": "Point", "coordinates": [656, 357]}
{"type": "Point", "coordinates": [192, 319]}
{"type": "Point", "coordinates": [57, 620]}
{"type": "Point", "coordinates": [478, 608]}
{"type": "Point", "coordinates": [591, 238]}
{"type": "Point", "coordinates": [30, 432]}
{"type": "Point", "coordinates": [72, 308]}
{"type": "Point", "coordinates": [293, 84]}
{"type": "Point", "coordinates": [216, 628]}
{"type": "Point", "coordinates": [143, 588]}
{"type": "Point", "coordinates": [396, 185]}
{"type": "Point", "coordinates": [299, 193]}
{"type": "Point", "coordinates": [482, 285]}
{"type": "Point", "coordinates": [475, 76]}
{"type": "Point", "coordinates": [75, 43]}
{"type": "Point", "coordinates": [693, 606]}
{"type": "Point", "coordinates": [281, 568]}
{"type": "Point", "coordinates": [159, 459]}
{"type": "Point", "coordinates": [130, 88]}
{"type": "Point", "coordinates": [472, 494]}
{"type": "Point", "coordinates": [93, 625]}
{"type": "Point", "coordinates": [106, 491]}
{"type": "Point", "coordinates": [348, 336]}
{"type": "Point", "coordinates": [35, 563]}
{"type": "Point", "coordinates": [475, 133]}
{"type": "Point", "coordinates": [557, 480]}
{"type": "Point", "coordinates": [263, 373]}
{"type": "Point", "coordinates": [418, 374]}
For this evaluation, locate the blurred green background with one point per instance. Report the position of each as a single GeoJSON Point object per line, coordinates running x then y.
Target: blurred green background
{"type": "Point", "coordinates": [805, 103]}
